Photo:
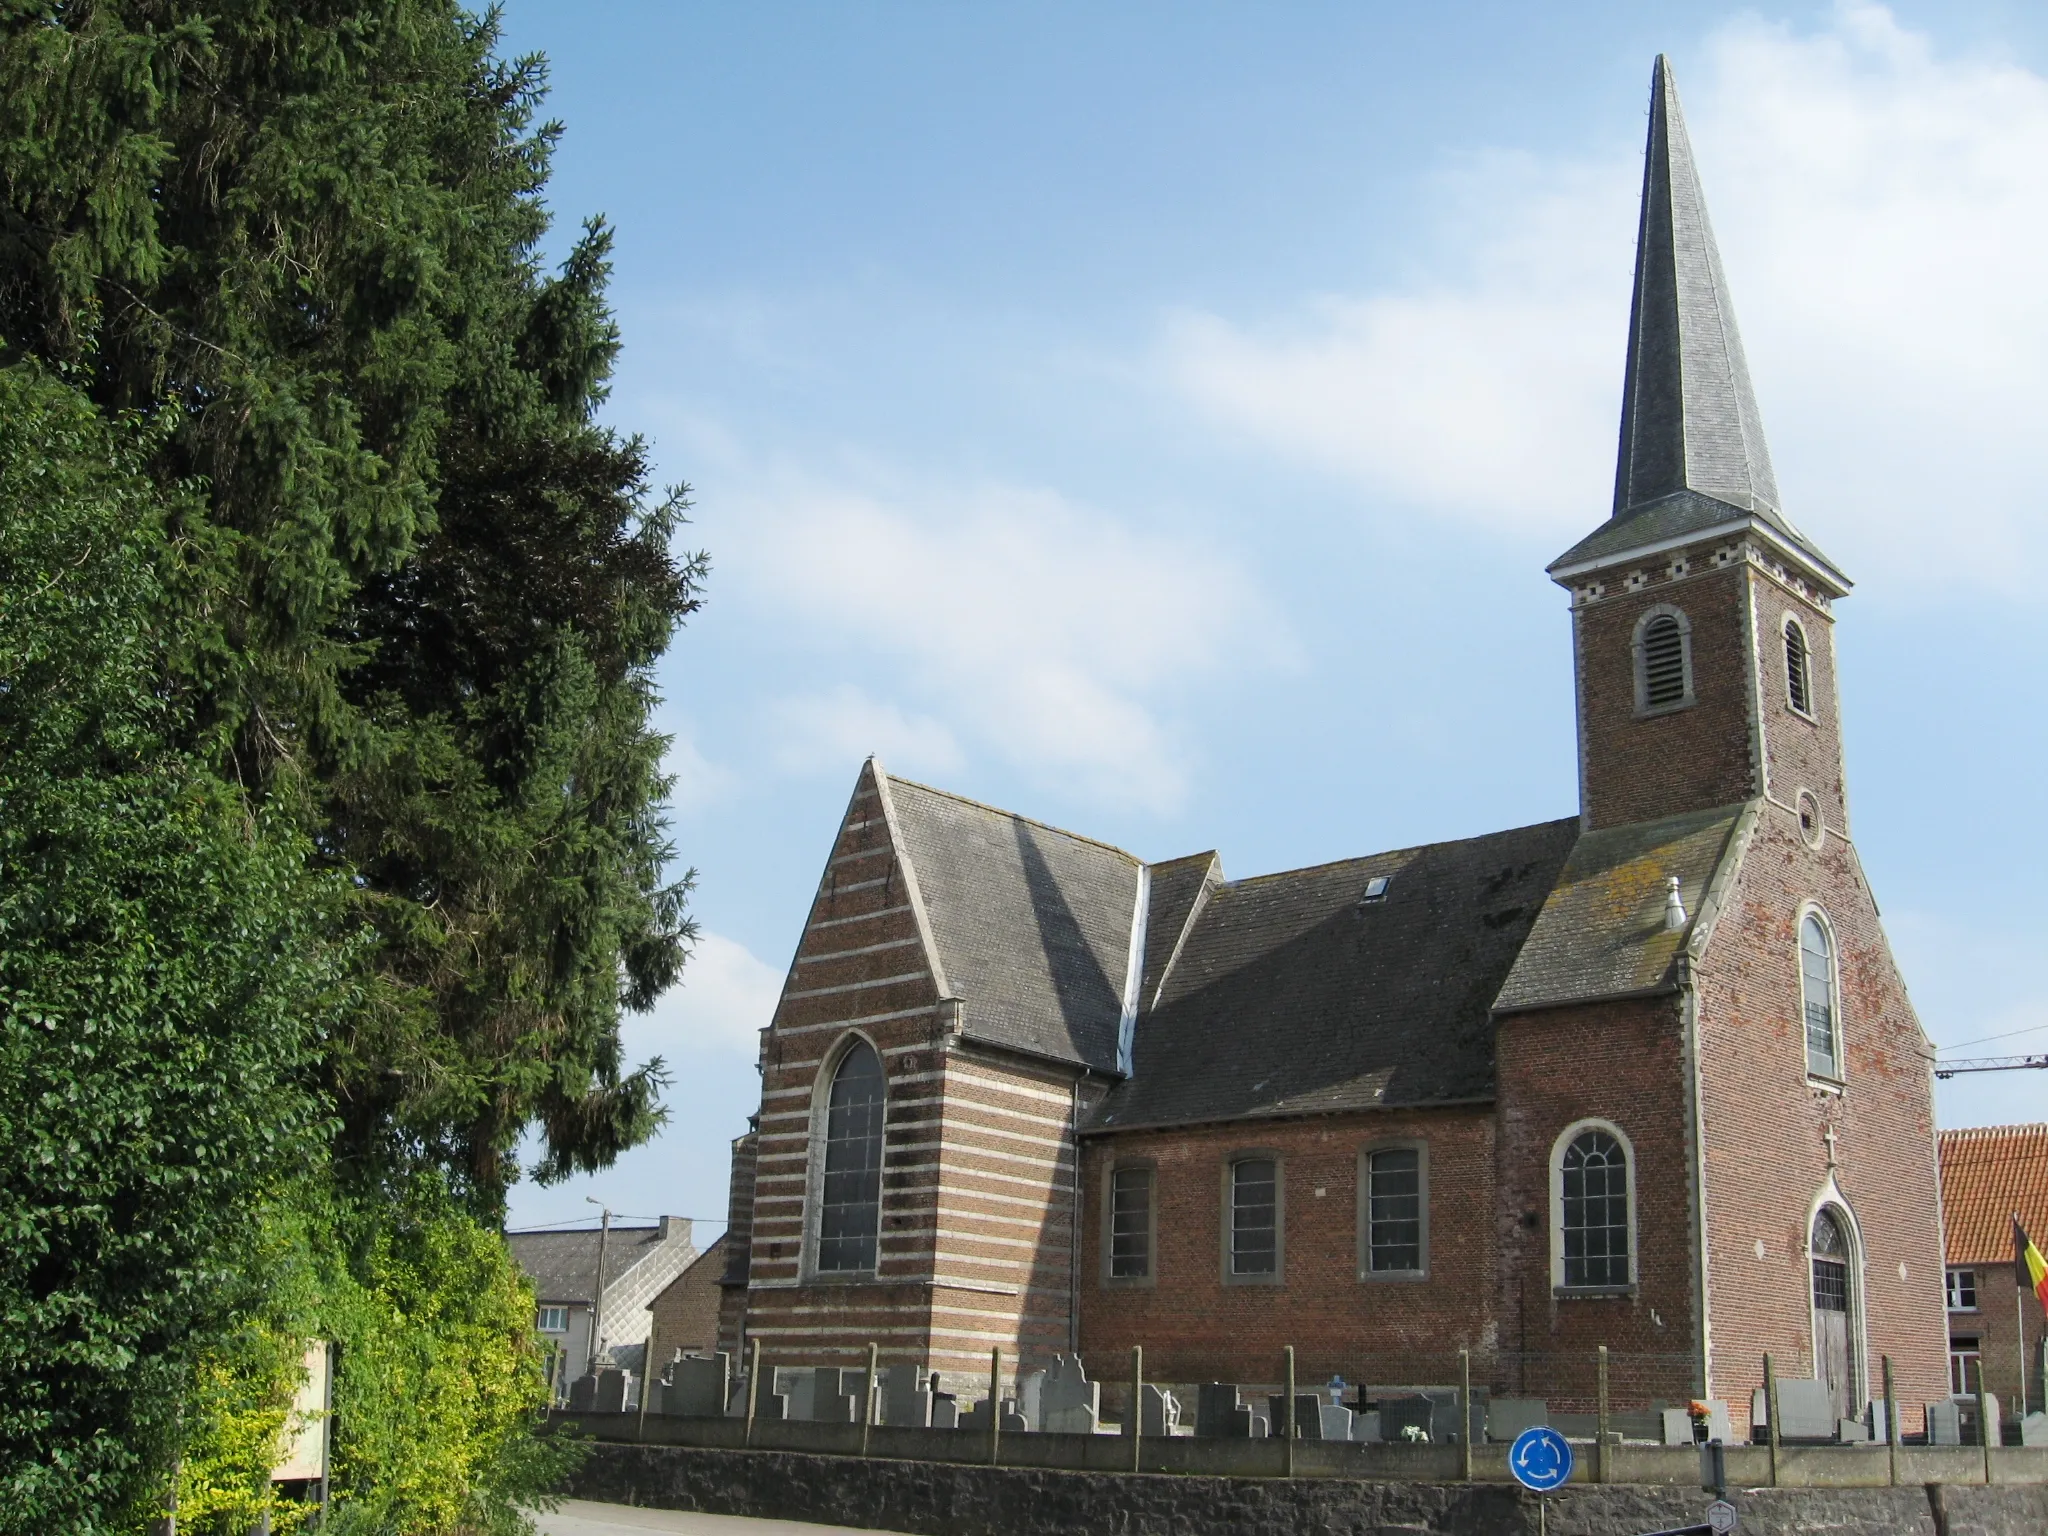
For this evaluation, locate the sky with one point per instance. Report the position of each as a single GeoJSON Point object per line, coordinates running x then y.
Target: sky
{"type": "Point", "coordinates": [1155, 420]}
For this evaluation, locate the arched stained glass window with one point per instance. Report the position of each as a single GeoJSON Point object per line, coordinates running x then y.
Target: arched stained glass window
{"type": "Point", "coordinates": [1595, 1210]}
{"type": "Point", "coordinates": [850, 1214]}
{"type": "Point", "coordinates": [1817, 993]}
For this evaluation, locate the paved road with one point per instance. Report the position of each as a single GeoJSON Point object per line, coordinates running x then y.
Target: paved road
{"type": "Point", "coordinates": [578, 1517]}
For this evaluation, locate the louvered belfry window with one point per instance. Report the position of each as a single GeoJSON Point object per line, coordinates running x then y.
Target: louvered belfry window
{"type": "Point", "coordinates": [1663, 662]}
{"type": "Point", "coordinates": [1798, 669]}
{"type": "Point", "coordinates": [850, 1220]}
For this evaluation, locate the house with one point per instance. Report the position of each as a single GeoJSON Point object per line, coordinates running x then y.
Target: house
{"type": "Point", "coordinates": [1989, 1175]}
{"type": "Point", "coordinates": [684, 1314]}
{"type": "Point", "coordinates": [578, 1321]}
{"type": "Point", "coordinates": [1643, 1078]}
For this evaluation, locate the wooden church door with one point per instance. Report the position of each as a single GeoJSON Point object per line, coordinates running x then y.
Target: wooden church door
{"type": "Point", "coordinates": [1833, 1362]}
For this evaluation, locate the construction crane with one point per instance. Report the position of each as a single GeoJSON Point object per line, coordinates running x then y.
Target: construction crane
{"type": "Point", "coordinates": [1948, 1069]}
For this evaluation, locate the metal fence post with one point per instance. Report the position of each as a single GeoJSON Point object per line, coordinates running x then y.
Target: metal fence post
{"type": "Point", "coordinates": [1465, 1408]}
{"type": "Point", "coordinates": [995, 1407]}
{"type": "Point", "coordinates": [1288, 1357]}
{"type": "Point", "coordinates": [1600, 1462]}
{"type": "Point", "coordinates": [753, 1386]}
{"type": "Point", "coordinates": [867, 1398]}
{"type": "Point", "coordinates": [1137, 1402]}
{"type": "Point", "coordinates": [1891, 1424]}
{"type": "Point", "coordinates": [1771, 1409]}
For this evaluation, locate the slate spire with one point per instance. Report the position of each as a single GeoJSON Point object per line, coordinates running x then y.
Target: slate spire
{"type": "Point", "coordinates": [1692, 454]}
{"type": "Point", "coordinates": [1688, 416]}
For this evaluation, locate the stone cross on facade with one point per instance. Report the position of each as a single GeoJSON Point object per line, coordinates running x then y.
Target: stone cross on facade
{"type": "Point", "coordinates": [1828, 1136]}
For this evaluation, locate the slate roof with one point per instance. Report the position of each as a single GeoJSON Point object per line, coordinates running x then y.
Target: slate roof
{"type": "Point", "coordinates": [563, 1265]}
{"type": "Point", "coordinates": [1989, 1174]}
{"type": "Point", "coordinates": [1601, 932]}
{"type": "Point", "coordinates": [1033, 925]}
{"type": "Point", "coordinates": [1692, 451]}
{"type": "Point", "coordinates": [1291, 996]}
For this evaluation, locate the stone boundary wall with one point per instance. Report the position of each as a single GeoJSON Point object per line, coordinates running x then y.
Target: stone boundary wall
{"type": "Point", "coordinates": [946, 1499]}
{"type": "Point", "coordinates": [1678, 1467]}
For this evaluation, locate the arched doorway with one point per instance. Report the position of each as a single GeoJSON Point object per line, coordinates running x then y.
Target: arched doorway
{"type": "Point", "coordinates": [1834, 1358]}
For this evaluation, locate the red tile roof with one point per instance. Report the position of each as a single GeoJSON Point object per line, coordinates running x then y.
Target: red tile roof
{"type": "Point", "coordinates": [1989, 1174]}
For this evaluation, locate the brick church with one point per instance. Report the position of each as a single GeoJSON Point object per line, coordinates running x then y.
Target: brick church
{"type": "Point", "coordinates": [1644, 1076]}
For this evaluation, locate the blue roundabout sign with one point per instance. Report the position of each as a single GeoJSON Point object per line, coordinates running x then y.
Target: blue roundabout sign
{"type": "Point", "coordinates": [1541, 1459]}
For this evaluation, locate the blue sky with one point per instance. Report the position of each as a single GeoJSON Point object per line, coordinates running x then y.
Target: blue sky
{"type": "Point", "coordinates": [1155, 419]}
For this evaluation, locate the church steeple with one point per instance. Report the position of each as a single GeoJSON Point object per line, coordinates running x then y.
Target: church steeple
{"type": "Point", "coordinates": [1693, 455]}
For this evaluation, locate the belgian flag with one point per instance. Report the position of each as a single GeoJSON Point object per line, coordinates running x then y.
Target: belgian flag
{"type": "Point", "coordinates": [2028, 1266]}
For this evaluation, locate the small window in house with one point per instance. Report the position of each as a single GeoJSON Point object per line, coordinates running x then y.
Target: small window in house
{"type": "Point", "coordinates": [850, 1217]}
{"type": "Point", "coordinates": [552, 1320]}
{"type": "Point", "coordinates": [1130, 1224]}
{"type": "Point", "coordinates": [1798, 668]}
{"type": "Point", "coordinates": [1254, 1217]}
{"type": "Point", "coordinates": [1964, 1361]}
{"type": "Point", "coordinates": [1962, 1290]}
{"type": "Point", "coordinates": [1394, 1210]}
{"type": "Point", "coordinates": [1375, 889]}
{"type": "Point", "coordinates": [1595, 1201]}
{"type": "Point", "coordinates": [1817, 989]}
{"type": "Point", "coordinates": [1663, 662]}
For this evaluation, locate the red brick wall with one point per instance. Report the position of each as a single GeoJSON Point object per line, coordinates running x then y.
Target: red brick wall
{"type": "Point", "coordinates": [1766, 1156]}
{"type": "Point", "coordinates": [1800, 751]}
{"type": "Point", "coordinates": [1621, 1062]}
{"type": "Point", "coordinates": [1640, 768]}
{"type": "Point", "coordinates": [1194, 1327]}
{"type": "Point", "coordinates": [685, 1314]}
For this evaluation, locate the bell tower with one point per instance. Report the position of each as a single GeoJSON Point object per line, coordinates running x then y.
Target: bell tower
{"type": "Point", "coordinates": [1702, 619]}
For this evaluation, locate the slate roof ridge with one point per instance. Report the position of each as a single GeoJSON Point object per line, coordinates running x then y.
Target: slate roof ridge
{"type": "Point", "coordinates": [997, 810]}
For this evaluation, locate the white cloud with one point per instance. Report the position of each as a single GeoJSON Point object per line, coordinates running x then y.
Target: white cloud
{"type": "Point", "coordinates": [1881, 210]}
{"type": "Point", "coordinates": [1046, 632]}
{"type": "Point", "coordinates": [725, 998]}
{"type": "Point", "coordinates": [845, 725]}
{"type": "Point", "coordinates": [698, 781]}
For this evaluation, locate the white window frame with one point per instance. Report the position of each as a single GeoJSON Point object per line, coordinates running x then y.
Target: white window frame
{"type": "Point", "coordinates": [814, 1185]}
{"type": "Point", "coordinates": [1793, 626]}
{"type": "Point", "coordinates": [1840, 1075]}
{"type": "Point", "coordinates": [1644, 708]}
{"type": "Point", "coordinates": [541, 1314]}
{"type": "Point", "coordinates": [1229, 1214]}
{"type": "Point", "coordinates": [1951, 1289]}
{"type": "Point", "coordinates": [1558, 1148]}
{"type": "Point", "coordinates": [1420, 1148]}
{"type": "Point", "coordinates": [1110, 1279]}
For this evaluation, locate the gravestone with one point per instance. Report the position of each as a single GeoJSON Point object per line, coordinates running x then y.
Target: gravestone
{"type": "Point", "coordinates": [796, 1385]}
{"type": "Point", "coordinates": [1334, 1420]}
{"type": "Point", "coordinates": [1968, 1408]}
{"type": "Point", "coordinates": [1446, 1400]}
{"type": "Point", "coordinates": [1218, 1413]}
{"type": "Point", "coordinates": [976, 1418]}
{"type": "Point", "coordinates": [945, 1411]}
{"type": "Point", "coordinates": [1507, 1417]}
{"type": "Point", "coordinates": [1365, 1426]}
{"type": "Point", "coordinates": [1070, 1404]}
{"type": "Point", "coordinates": [1873, 1423]}
{"type": "Point", "coordinates": [1718, 1425]}
{"type": "Point", "coordinates": [1677, 1426]}
{"type": "Point", "coordinates": [613, 1386]}
{"type": "Point", "coordinates": [2034, 1429]}
{"type": "Point", "coordinates": [1159, 1411]}
{"type": "Point", "coordinates": [838, 1395]}
{"type": "Point", "coordinates": [698, 1385]}
{"type": "Point", "coordinates": [907, 1396]}
{"type": "Point", "coordinates": [582, 1393]}
{"type": "Point", "coordinates": [1944, 1423]}
{"type": "Point", "coordinates": [1308, 1422]}
{"type": "Point", "coordinates": [1806, 1409]}
{"type": "Point", "coordinates": [1407, 1419]}
{"type": "Point", "coordinates": [1031, 1399]}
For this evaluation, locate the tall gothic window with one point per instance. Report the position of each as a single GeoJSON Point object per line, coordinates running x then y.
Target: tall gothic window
{"type": "Point", "coordinates": [1255, 1216]}
{"type": "Point", "coordinates": [1594, 1206]}
{"type": "Point", "coordinates": [1798, 668]}
{"type": "Point", "coordinates": [1663, 660]}
{"type": "Point", "coordinates": [1817, 993]}
{"type": "Point", "coordinates": [850, 1214]}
